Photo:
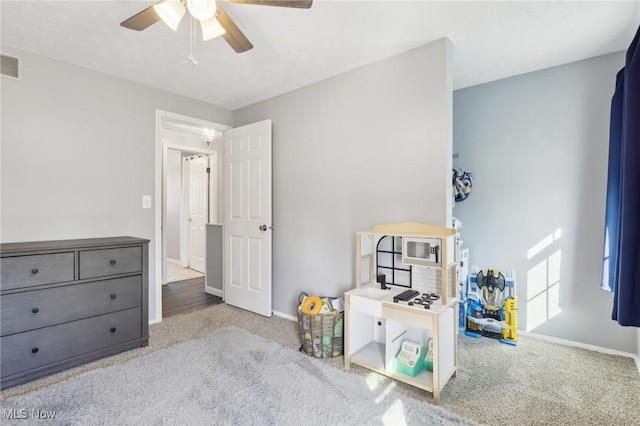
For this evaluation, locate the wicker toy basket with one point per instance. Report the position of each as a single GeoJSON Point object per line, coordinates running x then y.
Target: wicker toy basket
{"type": "Point", "coordinates": [321, 334]}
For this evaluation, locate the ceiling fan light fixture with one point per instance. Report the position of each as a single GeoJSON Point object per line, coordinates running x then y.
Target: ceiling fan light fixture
{"type": "Point", "coordinates": [202, 10]}
{"type": "Point", "coordinates": [171, 12]}
{"type": "Point", "coordinates": [211, 29]}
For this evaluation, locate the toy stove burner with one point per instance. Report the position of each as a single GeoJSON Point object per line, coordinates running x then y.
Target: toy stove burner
{"type": "Point", "coordinates": [426, 299]}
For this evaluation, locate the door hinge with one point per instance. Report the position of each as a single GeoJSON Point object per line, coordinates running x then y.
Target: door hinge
{"type": "Point", "coordinates": [208, 169]}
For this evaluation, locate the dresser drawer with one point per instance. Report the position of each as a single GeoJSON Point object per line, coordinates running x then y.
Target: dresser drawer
{"type": "Point", "coordinates": [41, 308]}
{"type": "Point", "coordinates": [102, 263]}
{"type": "Point", "coordinates": [38, 348]}
{"type": "Point", "coordinates": [33, 270]}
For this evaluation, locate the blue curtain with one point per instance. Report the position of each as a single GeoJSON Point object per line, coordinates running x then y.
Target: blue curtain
{"type": "Point", "coordinates": [621, 265]}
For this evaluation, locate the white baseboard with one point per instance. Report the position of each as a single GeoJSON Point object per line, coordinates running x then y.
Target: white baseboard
{"type": "Point", "coordinates": [579, 345]}
{"type": "Point", "coordinates": [285, 316]}
{"type": "Point", "coordinates": [214, 291]}
{"type": "Point", "coordinates": [175, 262]}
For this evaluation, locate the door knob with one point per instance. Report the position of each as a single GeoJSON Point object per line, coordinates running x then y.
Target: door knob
{"type": "Point", "coordinates": [262, 228]}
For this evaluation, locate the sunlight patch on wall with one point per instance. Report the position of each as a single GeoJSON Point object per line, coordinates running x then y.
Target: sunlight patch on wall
{"type": "Point", "coordinates": [537, 280]}
{"type": "Point", "coordinates": [544, 243]}
{"type": "Point", "coordinates": [554, 284]}
{"type": "Point", "coordinates": [543, 283]}
{"type": "Point", "coordinates": [536, 311]}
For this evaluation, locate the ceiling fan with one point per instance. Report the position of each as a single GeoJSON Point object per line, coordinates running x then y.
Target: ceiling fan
{"type": "Point", "coordinates": [214, 21]}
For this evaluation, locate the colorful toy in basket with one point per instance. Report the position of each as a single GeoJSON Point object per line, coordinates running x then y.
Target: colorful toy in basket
{"type": "Point", "coordinates": [320, 321]}
{"type": "Point", "coordinates": [311, 305]}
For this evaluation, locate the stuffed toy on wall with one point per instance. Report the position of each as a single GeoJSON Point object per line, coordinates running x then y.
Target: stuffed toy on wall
{"type": "Point", "coordinates": [462, 182]}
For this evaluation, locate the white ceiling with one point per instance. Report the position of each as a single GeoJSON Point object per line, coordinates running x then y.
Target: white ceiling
{"type": "Point", "coordinates": [297, 47]}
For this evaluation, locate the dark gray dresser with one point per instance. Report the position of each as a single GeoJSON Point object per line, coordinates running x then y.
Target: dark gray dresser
{"type": "Point", "coordinates": [65, 303]}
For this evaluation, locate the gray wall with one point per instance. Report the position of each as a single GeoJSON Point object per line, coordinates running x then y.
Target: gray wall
{"type": "Point", "coordinates": [78, 153]}
{"type": "Point", "coordinates": [215, 257]}
{"type": "Point", "coordinates": [174, 196]}
{"type": "Point", "coordinates": [367, 147]}
{"type": "Point", "coordinates": [537, 146]}
{"type": "Point", "coordinates": [364, 148]}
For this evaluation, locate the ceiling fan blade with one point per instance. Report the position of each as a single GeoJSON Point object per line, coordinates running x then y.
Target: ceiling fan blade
{"type": "Point", "coordinates": [236, 39]}
{"type": "Point", "coordinates": [141, 20]}
{"type": "Point", "coordinates": [300, 4]}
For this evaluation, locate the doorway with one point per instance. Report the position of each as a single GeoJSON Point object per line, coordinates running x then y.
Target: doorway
{"type": "Point", "coordinates": [187, 186]}
{"type": "Point", "coordinates": [187, 200]}
{"type": "Point", "coordinates": [189, 177]}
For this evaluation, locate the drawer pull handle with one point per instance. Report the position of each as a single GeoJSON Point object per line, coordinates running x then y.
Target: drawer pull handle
{"type": "Point", "coordinates": [35, 350]}
{"type": "Point", "coordinates": [113, 329]}
{"type": "Point", "coordinates": [113, 262]}
{"type": "Point", "coordinates": [35, 310]}
{"type": "Point", "coordinates": [35, 271]}
{"type": "Point", "coordinates": [113, 295]}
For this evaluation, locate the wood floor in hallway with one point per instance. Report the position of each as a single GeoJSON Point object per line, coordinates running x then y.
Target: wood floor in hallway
{"type": "Point", "coordinates": [186, 296]}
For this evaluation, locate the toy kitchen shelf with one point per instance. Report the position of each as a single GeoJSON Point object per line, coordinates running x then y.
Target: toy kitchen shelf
{"type": "Point", "coordinates": [376, 325]}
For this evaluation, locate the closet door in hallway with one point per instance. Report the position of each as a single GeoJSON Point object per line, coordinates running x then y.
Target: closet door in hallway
{"type": "Point", "coordinates": [198, 211]}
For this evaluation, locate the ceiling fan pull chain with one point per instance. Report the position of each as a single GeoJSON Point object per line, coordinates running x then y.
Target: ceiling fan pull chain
{"type": "Point", "coordinates": [192, 42]}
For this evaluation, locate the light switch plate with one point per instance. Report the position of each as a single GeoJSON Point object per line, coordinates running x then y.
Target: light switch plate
{"type": "Point", "coordinates": [146, 201]}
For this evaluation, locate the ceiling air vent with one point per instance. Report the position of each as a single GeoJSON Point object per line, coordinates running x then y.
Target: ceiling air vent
{"type": "Point", "coordinates": [10, 67]}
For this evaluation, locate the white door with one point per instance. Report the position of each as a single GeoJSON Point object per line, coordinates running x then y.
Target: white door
{"type": "Point", "coordinates": [198, 204]}
{"type": "Point", "coordinates": [247, 217]}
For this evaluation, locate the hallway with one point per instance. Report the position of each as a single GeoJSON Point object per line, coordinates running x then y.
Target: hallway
{"type": "Point", "coordinates": [184, 291]}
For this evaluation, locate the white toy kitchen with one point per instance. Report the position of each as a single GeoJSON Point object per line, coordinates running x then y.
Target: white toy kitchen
{"type": "Point", "coordinates": [401, 320]}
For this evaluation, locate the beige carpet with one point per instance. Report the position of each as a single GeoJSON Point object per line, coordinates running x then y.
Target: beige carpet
{"type": "Point", "coordinates": [230, 377]}
{"type": "Point", "coordinates": [534, 383]}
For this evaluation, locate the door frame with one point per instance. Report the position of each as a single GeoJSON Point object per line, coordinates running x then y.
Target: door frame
{"type": "Point", "coordinates": [160, 189]}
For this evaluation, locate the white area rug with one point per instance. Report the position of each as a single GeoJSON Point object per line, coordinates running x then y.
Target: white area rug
{"type": "Point", "coordinates": [228, 377]}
